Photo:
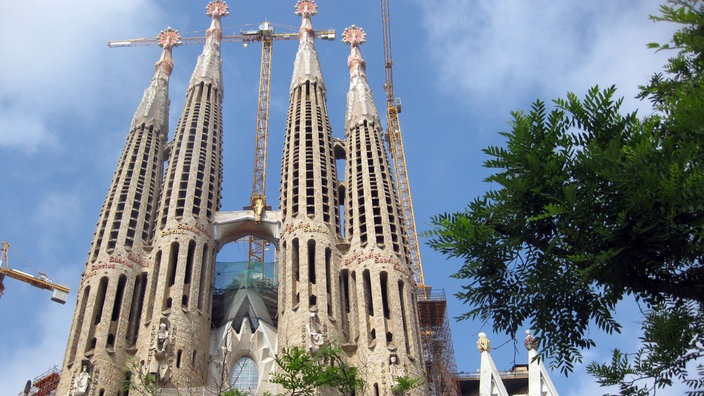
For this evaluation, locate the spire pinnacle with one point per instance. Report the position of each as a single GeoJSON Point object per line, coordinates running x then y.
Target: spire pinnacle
{"type": "Point", "coordinates": [483, 343]}
{"type": "Point", "coordinates": [355, 36]}
{"type": "Point", "coordinates": [216, 10]}
{"type": "Point", "coordinates": [360, 100]}
{"type": "Point", "coordinates": [209, 65]}
{"type": "Point", "coordinates": [167, 39]}
{"type": "Point", "coordinates": [154, 107]}
{"type": "Point", "coordinates": [306, 67]}
{"type": "Point", "coordinates": [306, 8]}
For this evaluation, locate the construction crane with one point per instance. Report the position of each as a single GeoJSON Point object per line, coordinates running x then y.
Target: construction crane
{"type": "Point", "coordinates": [395, 141]}
{"type": "Point", "coordinates": [59, 293]}
{"type": "Point", "coordinates": [266, 35]}
{"type": "Point", "coordinates": [432, 306]}
{"type": "Point", "coordinates": [258, 199]}
{"type": "Point", "coordinates": [245, 37]}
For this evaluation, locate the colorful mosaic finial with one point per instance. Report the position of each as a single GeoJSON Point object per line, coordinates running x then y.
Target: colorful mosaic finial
{"type": "Point", "coordinates": [306, 8]}
{"type": "Point", "coordinates": [169, 37]}
{"type": "Point", "coordinates": [354, 36]}
{"type": "Point", "coordinates": [217, 8]}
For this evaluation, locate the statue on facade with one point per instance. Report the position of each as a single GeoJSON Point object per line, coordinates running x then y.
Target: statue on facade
{"type": "Point", "coordinates": [161, 342]}
{"type": "Point", "coordinates": [81, 381]}
{"type": "Point", "coordinates": [315, 332]}
{"type": "Point", "coordinates": [530, 342]}
{"type": "Point", "coordinates": [395, 370]}
{"type": "Point", "coordinates": [162, 352]}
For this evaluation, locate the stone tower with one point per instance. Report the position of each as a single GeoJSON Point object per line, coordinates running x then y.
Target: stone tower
{"type": "Point", "coordinates": [146, 288]}
{"type": "Point", "coordinates": [375, 272]}
{"type": "Point", "coordinates": [178, 309]}
{"type": "Point", "coordinates": [309, 203]}
{"type": "Point", "coordinates": [106, 323]}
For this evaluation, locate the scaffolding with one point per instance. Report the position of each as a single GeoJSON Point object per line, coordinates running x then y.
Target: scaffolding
{"type": "Point", "coordinates": [438, 351]}
{"type": "Point", "coordinates": [45, 384]}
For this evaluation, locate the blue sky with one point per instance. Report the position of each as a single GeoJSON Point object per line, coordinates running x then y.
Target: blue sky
{"type": "Point", "coordinates": [461, 66]}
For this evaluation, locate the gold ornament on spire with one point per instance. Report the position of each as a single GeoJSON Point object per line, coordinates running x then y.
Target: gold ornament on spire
{"type": "Point", "coordinates": [483, 343]}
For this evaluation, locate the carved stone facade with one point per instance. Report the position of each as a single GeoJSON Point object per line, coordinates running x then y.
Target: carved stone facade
{"type": "Point", "coordinates": [151, 262]}
{"type": "Point", "coordinates": [146, 297]}
{"type": "Point", "coordinates": [377, 262]}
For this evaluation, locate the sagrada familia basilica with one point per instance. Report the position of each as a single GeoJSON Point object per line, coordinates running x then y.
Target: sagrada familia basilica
{"type": "Point", "coordinates": [148, 304]}
{"type": "Point", "coordinates": [153, 310]}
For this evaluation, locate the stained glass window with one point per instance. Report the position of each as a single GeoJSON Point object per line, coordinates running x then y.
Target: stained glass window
{"type": "Point", "coordinates": [245, 376]}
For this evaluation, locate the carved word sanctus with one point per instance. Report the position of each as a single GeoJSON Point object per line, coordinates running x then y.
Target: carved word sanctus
{"type": "Point", "coordinates": [305, 227]}
{"type": "Point", "coordinates": [113, 263]}
{"type": "Point", "coordinates": [378, 258]}
{"type": "Point", "coordinates": [181, 229]}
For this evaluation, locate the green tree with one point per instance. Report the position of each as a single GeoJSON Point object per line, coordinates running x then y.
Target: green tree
{"type": "Point", "coordinates": [302, 373]}
{"type": "Point", "coordinates": [138, 381]}
{"type": "Point", "coordinates": [405, 384]}
{"type": "Point", "coordinates": [235, 392]}
{"type": "Point", "coordinates": [592, 206]}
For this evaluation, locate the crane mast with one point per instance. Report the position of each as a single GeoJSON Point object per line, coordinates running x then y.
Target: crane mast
{"type": "Point", "coordinates": [395, 140]}
{"type": "Point", "coordinates": [265, 34]}
{"type": "Point", "coordinates": [59, 292]}
{"type": "Point", "coordinates": [258, 198]}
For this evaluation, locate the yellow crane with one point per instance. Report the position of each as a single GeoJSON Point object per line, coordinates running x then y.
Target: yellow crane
{"type": "Point", "coordinates": [266, 35]}
{"type": "Point", "coordinates": [59, 293]}
{"type": "Point", "coordinates": [395, 141]}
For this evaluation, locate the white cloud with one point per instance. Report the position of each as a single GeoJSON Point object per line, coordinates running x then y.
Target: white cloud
{"type": "Point", "coordinates": [58, 207]}
{"type": "Point", "coordinates": [58, 92]}
{"type": "Point", "coordinates": [24, 361]}
{"type": "Point", "coordinates": [22, 131]}
{"type": "Point", "coordinates": [55, 62]}
{"type": "Point", "coordinates": [496, 52]}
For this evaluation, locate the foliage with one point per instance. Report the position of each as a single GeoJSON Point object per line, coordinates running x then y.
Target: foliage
{"type": "Point", "coordinates": [591, 206]}
{"type": "Point", "coordinates": [234, 392]}
{"type": "Point", "coordinates": [405, 384]}
{"type": "Point", "coordinates": [302, 373]}
{"type": "Point", "coordinates": [136, 381]}
{"type": "Point", "coordinates": [671, 334]}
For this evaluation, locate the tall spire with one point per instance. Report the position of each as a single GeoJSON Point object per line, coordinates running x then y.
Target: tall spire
{"type": "Point", "coordinates": [155, 102]}
{"type": "Point", "coordinates": [209, 66]}
{"type": "Point", "coordinates": [383, 319]}
{"type": "Point", "coordinates": [309, 205]}
{"type": "Point", "coordinates": [365, 145]}
{"type": "Point", "coordinates": [306, 67]}
{"type": "Point", "coordinates": [360, 99]}
{"type": "Point", "coordinates": [107, 320]}
{"type": "Point", "coordinates": [183, 255]}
